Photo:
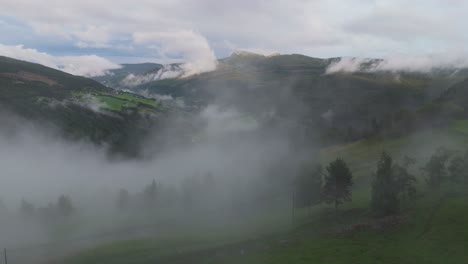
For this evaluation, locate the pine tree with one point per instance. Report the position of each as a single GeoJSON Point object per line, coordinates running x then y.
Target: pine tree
{"type": "Point", "coordinates": [338, 182]}
{"type": "Point", "coordinates": [308, 186]}
{"type": "Point", "coordinates": [64, 205]}
{"type": "Point", "coordinates": [435, 168]}
{"type": "Point", "coordinates": [385, 188]}
{"type": "Point", "coordinates": [123, 199]}
{"type": "Point", "coordinates": [456, 169]}
{"type": "Point", "coordinates": [150, 193]}
{"type": "Point", "coordinates": [405, 180]}
{"type": "Point", "coordinates": [27, 209]}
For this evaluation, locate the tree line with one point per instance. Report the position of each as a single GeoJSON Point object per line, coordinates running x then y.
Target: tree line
{"type": "Point", "coordinates": [393, 183]}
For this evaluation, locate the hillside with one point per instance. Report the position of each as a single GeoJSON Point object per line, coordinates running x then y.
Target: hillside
{"type": "Point", "coordinates": [115, 77]}
{"type": "Point", "coordinates": [339, 106]}
{"type": "Point", "coordinates": [77, 106]}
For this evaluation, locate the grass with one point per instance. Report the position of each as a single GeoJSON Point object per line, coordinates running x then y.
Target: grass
{"type": "Point", "coordinates": [136, 98]}
{"type": "Point", "coordinates": [426, 237]}
{"type": "Point", "coordinates": [443, 242]}
{"type": "Point", "coordinates": [460, 126]}
{"type": "Point", "coordinates": [119, 102]}
{"type": "Point", "coordinates": [114, 103]}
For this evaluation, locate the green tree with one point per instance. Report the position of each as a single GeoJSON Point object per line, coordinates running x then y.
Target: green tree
{"type": "Point", "coordinates": [308, 186]}
{"type": "Point", "coordinates": [338, 182]}
{"type": "Point", "coordinates": [406, 181]}
{"type": "Point", "coordinates": [456, 169]}
{"type": "Point", "coordinates": [150, 193]}
{"type": "Point", "coordinates": [27, 209]}
{"type": "Point", "coordinates": [123, 199]}
{"type": "Point", "coordinates": [435, 168]}
{"type": "Point", "coordinates": [384, 199]}
{"type": "Point", "coordinates": [64, 205]}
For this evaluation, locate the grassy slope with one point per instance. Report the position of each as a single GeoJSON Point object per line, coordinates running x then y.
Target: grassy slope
{"type": "Point", "coordinates": [29, 90]}
{"type": "Point", "coordinates": [435, 230]}
{"type": "Point", "coordinates": [123, 101]}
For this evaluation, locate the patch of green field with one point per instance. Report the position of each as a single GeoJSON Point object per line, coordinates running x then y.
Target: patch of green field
{"type": "Point", "coordinates": [135, 98]}
{"type": "Point", "coordinates": [460, 126]}
{"type": "Point", "coordinates": [114, 103]}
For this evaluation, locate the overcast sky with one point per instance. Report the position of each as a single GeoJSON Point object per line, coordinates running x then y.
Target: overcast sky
{"type": "Point", "coordinates": [116, 31]}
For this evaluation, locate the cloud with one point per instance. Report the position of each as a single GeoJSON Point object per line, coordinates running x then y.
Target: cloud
{"type": "Point", "coordinates": [322, 28]}
{"type": "Point", "coordinates": [222, 121]}
{"type": "Point", "coordinates": [85, 65]}
{"type": "Point", "coordinates": [408, 63]}
{"type": "Point", "coordinates": [166, 72]}
{"type": "Point", "coordinates": [192, 47]}
{"type": "Point", "coordinates": [95, 37]}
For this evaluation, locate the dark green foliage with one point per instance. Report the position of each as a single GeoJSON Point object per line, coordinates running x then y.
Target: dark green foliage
{"type": "Point", "coordinates": [150, 194]}
{"type": "Point", "coordinates": [435, 168]}
{"type": "Point", "coordinates": [384, 200]}
{"type": "Point", "coordinates": [308, 186]}
{"type": "Point", "coordinates": [406, 181]}
{"type": "Point", "coordinates": [64, 206]}
{"type": "Point", "coordinates": [123, 199]}
{"type": "Point", "coordinates": [338, 182]}
{"type": "Point", "coordinates": [458, 169]}
{"type": "Point", "coordinates": [27, 209]}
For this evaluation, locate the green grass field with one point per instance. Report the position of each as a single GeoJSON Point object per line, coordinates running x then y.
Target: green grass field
{"type": "Point", "coordinates": [433, 229]}
{"type": "Point", "coordinates": [113, 103]}
{"type": "Point", "coordinates": [122, 101]}
{"type": "Point", "coordinates": [135, 98]}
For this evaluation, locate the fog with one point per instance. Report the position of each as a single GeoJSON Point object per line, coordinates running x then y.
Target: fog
{"type": "Point", "coordinates": [166, 72]}
{"type": "Point", "coordinates": [401, 63]}
{"type": "Point", "coordinates": [231, 166]}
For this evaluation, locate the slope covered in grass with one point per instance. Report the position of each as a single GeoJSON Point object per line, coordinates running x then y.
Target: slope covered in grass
{"type": "Point", "coordinates": [52, 97]}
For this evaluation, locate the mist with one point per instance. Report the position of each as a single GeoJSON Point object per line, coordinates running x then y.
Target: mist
{"type": "Point", "coordinates": [229, 168]}
{"type": "Point", "coordinates": [401, 63]}
{"type": "Point", "coordinates": [166, 72]}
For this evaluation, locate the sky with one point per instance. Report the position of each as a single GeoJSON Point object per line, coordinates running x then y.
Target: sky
{"type": "Point", "coordinates": [107, 32]}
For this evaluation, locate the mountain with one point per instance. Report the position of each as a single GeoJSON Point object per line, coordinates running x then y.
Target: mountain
{"type": "Point", "coordinates": [115, 77]}
{"type": "Point", "coordinates": [280, 89]}
{"type": "Point", "coordinates": [297, 87]}
{"type": "Point", "coordinates": [77, 106]}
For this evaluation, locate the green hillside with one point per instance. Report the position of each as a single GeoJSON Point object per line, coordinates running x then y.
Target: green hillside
{"type": "Point", "coordinates": [296, 87]}
{"type": "Point", "coordinates": [81, 108]}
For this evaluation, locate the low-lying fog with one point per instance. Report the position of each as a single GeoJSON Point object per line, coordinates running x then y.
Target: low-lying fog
{"type": "Point", "coordinates": [233, 165]}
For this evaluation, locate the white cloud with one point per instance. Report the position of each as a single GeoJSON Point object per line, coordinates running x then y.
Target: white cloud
{"type": "Point", "coordinates": [194, 49]}
{"type": "Point", "coordinates": [410, 63]}
{"type": "Point", "coordinates": [221, 121]}
{"type": "Point", "coordinates": [85, 65]}
{"type": "Point", "coordinates": [95, 37]}
{"type": "Point", "coordinates": [323, 28]}
{"type": "Point", "coordinates": [166, 72]}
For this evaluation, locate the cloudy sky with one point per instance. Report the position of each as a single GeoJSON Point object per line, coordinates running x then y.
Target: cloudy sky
{"type": "Point", "coordinates": [71, 33]}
